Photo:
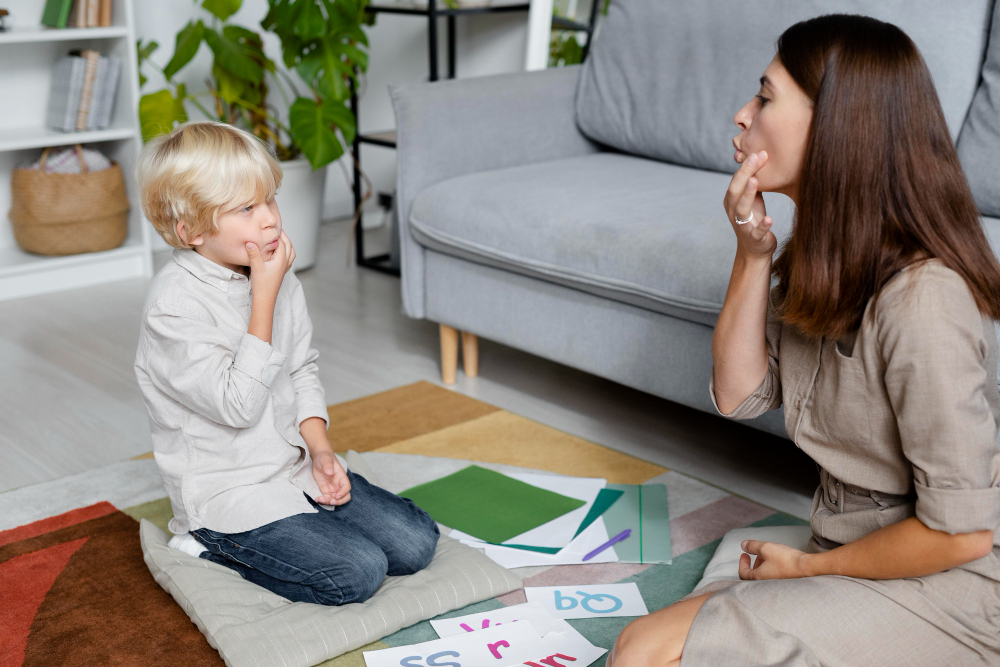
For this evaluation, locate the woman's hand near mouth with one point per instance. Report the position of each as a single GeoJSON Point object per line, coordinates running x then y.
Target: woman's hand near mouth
{"type": "Point", "coordinates": [754, 239]}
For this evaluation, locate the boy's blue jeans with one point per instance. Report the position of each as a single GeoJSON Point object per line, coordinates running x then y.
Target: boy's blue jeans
{"type": "Point", "coordinates": [331, 558]}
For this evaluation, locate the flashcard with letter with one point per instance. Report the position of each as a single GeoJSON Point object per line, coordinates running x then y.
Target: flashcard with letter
{"type": "Point", "coordinates": [500, 645]}
{"type": "Point", "coordinates": [541, 620]}
{"type": "Point", "coordinates": [591, 601]}
{"type": "Point", "coordinates": [560, 650]}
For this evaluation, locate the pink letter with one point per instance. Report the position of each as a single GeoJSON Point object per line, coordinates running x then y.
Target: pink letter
{"type": "Point", "coordinates": [495, 652]}
{"type": "Point", "coordinates": [551, 660]}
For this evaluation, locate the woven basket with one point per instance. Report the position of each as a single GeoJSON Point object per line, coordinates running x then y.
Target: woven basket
{"type": "Point", "coordinates": [67, 214]}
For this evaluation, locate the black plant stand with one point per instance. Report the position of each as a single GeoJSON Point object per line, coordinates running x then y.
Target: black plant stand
{"type": "Point", "coordinates": [388, 138]}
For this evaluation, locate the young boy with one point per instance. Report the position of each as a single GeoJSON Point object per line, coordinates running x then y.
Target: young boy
{"type": "Point", "coordinates": [235, 405]}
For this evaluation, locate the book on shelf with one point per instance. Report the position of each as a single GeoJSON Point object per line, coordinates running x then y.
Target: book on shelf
{"type": "Point", "coordinates": [93, 7]}
{"type": "Point", "coordinates": [64, 97]}
{"type": "Point", "coordinates": [77, 14]}
{"type": "Point", "coordinates": [104, 13]}
{"type": "Point", "coordinates": [87, 13]}
{"type": "Point", "coordinates": [103, 99]}
{"type": "Point", "coordinates": [56, 13]}
{"type": "Point", "coordinates": [92, 57]}
{"type": "Point", "coordinates": [83, 91]}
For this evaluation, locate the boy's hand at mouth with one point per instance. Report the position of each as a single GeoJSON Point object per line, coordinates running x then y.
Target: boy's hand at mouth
{"type": "Point", "coordinates": [331, 479]}
{"type": "Point", "coordinates": [266, 277]}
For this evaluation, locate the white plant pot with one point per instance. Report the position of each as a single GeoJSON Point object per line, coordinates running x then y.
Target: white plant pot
{"type": "Point", "coordinates": [300, 201]}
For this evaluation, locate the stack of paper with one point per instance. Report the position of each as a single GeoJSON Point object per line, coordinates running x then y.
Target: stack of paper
{"type": "Point", "coordinates": [523, 634]}
{"type": "Point", "coordinates": [562, 541]}
{"type": "Point", "coordinates": [529, 519]}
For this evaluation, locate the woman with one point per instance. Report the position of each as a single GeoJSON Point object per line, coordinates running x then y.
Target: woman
{"type": "Point", "coordinates": [878, 339]}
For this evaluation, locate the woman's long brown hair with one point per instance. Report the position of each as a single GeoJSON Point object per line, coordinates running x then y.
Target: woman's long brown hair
{"type": "Point", "coordinates": [881, 184]}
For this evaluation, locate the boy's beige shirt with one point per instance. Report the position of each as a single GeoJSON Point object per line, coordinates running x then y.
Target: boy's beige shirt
{"type": "Point", "coordinates": [224, 406]}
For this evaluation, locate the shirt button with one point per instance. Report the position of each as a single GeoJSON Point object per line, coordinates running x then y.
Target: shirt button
{"type": "Point", "coordinates": [838, 484]}
{"type": "Point", "coordinates": [222, 283]}
{"type": "Point", "coordinates": [834, 501]}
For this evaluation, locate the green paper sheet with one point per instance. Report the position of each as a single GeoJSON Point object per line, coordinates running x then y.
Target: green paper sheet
{"type": "Point", "coordinates": [605, 499]}
{"type": "Point", "coordinates": [488, 505]}
{"type": "Point", "coordinates": [643, 508]}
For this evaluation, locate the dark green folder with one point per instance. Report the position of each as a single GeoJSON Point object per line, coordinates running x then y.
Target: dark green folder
{"type": "Point", "coordinates": [56, 13]}
{"type": "Point", "coordinates": [488, 505]}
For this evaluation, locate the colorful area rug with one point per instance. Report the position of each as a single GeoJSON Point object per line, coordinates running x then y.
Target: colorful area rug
{"type": "Point", "coordinates": [74, 589]}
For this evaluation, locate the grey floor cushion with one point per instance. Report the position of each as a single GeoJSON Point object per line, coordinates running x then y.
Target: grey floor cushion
{"type": "Point", "coordinates": [249, 625]}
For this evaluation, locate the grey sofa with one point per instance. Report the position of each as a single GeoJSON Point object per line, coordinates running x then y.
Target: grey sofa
{"type": "Point", "coordinates": [576, 213]}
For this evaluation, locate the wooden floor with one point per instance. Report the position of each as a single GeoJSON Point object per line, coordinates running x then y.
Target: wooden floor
{"type": "Point", "coordinates": [70, 401]}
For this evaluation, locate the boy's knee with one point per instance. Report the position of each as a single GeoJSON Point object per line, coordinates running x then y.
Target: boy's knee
{"type": "Point", "coordinates": [363, 577]}
{"type": "Point", "coordinates": [422, 544]}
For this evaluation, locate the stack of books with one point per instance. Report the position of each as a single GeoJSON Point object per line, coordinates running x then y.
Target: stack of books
{"type": "Point", "coordinates": [77, 13]}
{"type": "Point", "coordinates": [84, 87]}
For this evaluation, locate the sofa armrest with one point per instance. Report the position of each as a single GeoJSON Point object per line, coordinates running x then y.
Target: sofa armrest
{"type": "Point", "coordinates": [449, 128]}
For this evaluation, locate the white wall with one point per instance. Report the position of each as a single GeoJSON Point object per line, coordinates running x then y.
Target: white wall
{"type": "Point", "coordinates": [487, 44]}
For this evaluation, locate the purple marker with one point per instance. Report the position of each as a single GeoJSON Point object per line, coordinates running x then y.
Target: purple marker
{"type": "Point", "coordinates": [614, 540]}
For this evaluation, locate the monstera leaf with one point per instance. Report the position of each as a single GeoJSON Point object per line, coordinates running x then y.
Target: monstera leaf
{"type": "Point", "coordinates": [314, 126]}
{"type": "Point", "coordinates": [230, 55]}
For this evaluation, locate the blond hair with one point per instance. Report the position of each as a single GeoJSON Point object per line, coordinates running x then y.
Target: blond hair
{"type": "Point", "coordinates": [200, 169]}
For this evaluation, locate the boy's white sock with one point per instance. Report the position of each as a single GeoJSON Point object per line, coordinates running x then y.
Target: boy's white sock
{"type": "Point", "coordinates": [187, 544]}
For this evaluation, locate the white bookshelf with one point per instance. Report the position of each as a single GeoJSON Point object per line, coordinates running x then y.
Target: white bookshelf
{"type": "Point", "coordinates": [28, 53]}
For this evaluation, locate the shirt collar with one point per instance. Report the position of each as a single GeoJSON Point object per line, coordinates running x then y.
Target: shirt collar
{"type": "Point", "coordinates": [206, 270]}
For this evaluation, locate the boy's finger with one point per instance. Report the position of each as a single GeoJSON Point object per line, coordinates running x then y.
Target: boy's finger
{"type": "Point", "coordinates": [254, 252]}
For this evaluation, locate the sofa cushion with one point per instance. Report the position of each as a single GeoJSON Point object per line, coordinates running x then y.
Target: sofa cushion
{"type": "Point", "coordinates": [979, 143]}
{"type": "Point", "coordinates": [665, 77]}
{"type": "Point", "coordinates": [635, 230]}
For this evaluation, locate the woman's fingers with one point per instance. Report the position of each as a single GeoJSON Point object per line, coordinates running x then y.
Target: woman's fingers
{"type": "Point", "coordinates": [745, 571]}
{"type": "Point", "coordinates": [744, 205]}
{"type": "Point", "coordinates": [760, 228]}
{"type": "Point", "coordinates": [750, 165]}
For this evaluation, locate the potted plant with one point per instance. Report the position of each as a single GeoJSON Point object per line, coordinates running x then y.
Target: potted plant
{"type": "Point", "coordinates": [323, 42]}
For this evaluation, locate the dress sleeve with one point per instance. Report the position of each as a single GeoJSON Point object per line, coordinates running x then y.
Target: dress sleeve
{"type": "Point", "coordinates": [938, 369]}
{"type": "Point", "coordinates": [768, 395]}
{"type": "Point", "coordinates": [310, 399]}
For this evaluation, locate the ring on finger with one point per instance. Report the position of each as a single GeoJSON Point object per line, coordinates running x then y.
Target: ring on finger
{"type": "Point", "coordinates": [740, 221]}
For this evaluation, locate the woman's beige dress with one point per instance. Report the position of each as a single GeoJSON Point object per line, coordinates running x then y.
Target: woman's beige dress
{"type": "Point", "coordinates": [901, 418]}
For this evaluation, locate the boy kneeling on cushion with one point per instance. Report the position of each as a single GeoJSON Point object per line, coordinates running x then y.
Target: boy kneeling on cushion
{"type": "Point", "coordinates": [235, 405]}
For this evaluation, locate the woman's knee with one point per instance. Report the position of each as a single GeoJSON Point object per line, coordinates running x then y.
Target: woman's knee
{"type": "Point", "coordinates": [636, 646]}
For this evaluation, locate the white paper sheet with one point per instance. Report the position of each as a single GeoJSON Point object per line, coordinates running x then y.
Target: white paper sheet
{"type": "Point", "coordinates": [590, 601]}
{"type": "Point", "coordinates": [561, 650]}
{"type": "Point", "coordinates": [508, 644]}
{"type": "Point", "coordinates": [558, 532]}
{"type": "Point", "coordinates": [541, 620]}
{"type": "Point", "coordinates": [594, 536]}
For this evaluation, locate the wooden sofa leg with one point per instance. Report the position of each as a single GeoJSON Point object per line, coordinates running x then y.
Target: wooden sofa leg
{"type": "Point", "coordinates": [449, 353]}
{"type": "Point", "coordinates": [470, 354]}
